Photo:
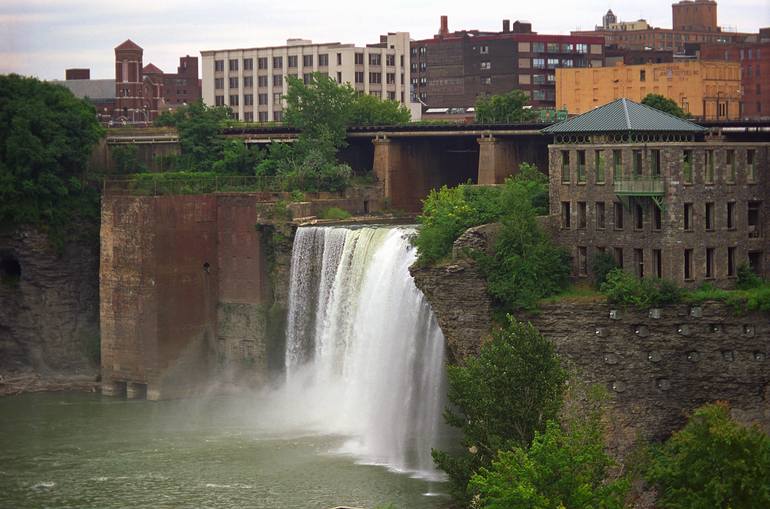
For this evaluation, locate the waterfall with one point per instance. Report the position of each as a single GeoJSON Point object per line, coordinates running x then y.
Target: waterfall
{"type": "Point", "coordinates": [363, 351]}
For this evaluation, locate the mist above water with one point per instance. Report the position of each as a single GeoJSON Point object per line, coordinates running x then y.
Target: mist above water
{"type": "Point", "coordinates": [364, 354]}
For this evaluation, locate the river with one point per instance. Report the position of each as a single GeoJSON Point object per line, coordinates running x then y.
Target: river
{"type": "Point", "coordinates": [88, 451]}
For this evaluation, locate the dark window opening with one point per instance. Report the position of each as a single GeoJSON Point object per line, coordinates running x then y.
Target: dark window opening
{"type": "Point", "coordinates": [600, 215]}
{"type": "Point", "coordinates": [639, 217]}
{"type": "Point", "coordinates": [731, 261]}
{"type": "Point", "coordinates": [657, 262]}
{"type": "Point", "coordinates": [565, 215]}
{"type": "Point", "coordinates": [755, 262]}
{"type": "Point", "coordinates": [582, 215]}
{"type": "Point", "coordinates": [688, 216]}
{"type": "Point", "coordinates": [10, 268]}
{"type": "Point", "coordinates": [618, 216]}
{"type": "Point", "coordinates": [657, 218]}
{"type": "Point", "coordinates": [753, 219]}
{"type": "Point", "coordinates": [206, 267]}
{"type": "Point", "coordinates": [710, 216]}
{"type": "Point", "coordinates": [688, 263]}
{"type": "Point", "coordinates": [710, 262]}
{"type": "Point", "coordinates": [730, 215]}
{"type": "Point", "coordinates": [618, 255]}
{"type": "Point", "coordinates": [639, 262]}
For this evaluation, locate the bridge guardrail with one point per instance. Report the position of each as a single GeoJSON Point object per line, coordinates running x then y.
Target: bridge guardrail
{"type": "Point", "coordinates": [160, 185]}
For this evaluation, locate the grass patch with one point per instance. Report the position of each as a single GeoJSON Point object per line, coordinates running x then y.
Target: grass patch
{"type": "Point", "coordinates": [335, 213]}
{"type": "Point", "coordinates": [578, 292]}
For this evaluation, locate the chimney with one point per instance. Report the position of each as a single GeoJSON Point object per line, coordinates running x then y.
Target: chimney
{"type": "Point", "coordinates": [506, 26]}
{"type": "Point", "coordinates": [444, 30]}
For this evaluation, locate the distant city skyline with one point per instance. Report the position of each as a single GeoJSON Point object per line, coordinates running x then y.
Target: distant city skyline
{"type": "Point", "coordinates": [44, 37]}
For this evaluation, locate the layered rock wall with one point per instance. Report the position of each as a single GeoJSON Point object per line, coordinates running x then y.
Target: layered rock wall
{"type": "Point", "coordinates": [658, 365]}
{"type": "Point", "coordinates": [49, 303]}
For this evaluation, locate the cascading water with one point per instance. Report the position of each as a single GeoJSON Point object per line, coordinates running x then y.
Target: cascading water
{"type": "Point", "coordinates": [364, 354]}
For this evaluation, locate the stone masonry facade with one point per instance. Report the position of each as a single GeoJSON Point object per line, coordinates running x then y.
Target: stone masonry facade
{"type": "Point", "coordinates": [694, 213]}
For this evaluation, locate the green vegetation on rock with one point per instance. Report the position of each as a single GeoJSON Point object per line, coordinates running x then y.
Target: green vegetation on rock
{"type": "Point", "coordinates": [713, 462]}
{"type": "Point", "coordinates": [625, 289]}
{"type": "Point", "coordinates": [46, 137]}
{"type": "Point", "coordinates": [566, 466]}
{"type": "Point", "coordinates": [525, 265]}
{"type": "Point", "coordinates": [499, 400]}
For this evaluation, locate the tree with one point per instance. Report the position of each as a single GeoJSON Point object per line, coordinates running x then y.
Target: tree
{"type": "Point", "coordinates": [371, 110]}
{"type": "Point", "coordinates": [46, 137]}
{"type": "Point", "coordinates": [712, 462]}
{"type": "Point", "coordinates": [565, 467]}
{"type": "Point", "coordinates": [200, 134]}
{"type": "Point", "coordinates": [500, 399]}
{"type": "Point", "coordinates": [504, 108]}
{"type": "Point", "coordinates": [321, 111]}
{"type": "Point", "coordinates": [664, 104]}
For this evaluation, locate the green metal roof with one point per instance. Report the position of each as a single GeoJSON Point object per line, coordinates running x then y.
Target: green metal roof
{"type": "Point", "coordinates": [624, 115]}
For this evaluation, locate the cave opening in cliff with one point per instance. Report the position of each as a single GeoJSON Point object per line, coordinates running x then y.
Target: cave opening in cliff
{"type": "Point", "coordinates": [10, 268]}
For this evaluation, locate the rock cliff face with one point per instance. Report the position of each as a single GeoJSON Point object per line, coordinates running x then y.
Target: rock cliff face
{"type": "Point", "coordinates": [658, 365]}
{"type": "Point", "coordinates": [49, 305]}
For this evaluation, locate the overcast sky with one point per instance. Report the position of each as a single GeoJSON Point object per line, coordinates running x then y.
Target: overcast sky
{"type": "Point", "coordinates": [43, 37]}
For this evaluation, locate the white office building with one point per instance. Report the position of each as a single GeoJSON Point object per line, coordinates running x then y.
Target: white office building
{"type": "Point", "coordinates": [253, 81]}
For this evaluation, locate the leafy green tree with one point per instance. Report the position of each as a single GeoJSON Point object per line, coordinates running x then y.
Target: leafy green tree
{"type": "Point", "coordinates": [321, 111]}
{"type": "Point", "coordinates": [713, 462]}
{"type": "Point", "coordinates": [237, 159]}
{"type": "Point", "coordinates": [499, 399]}
{"type": "Point", "coordinates": [46, 137]}
{"type": "Point", "coordinates": [664, 104]}
{"type": "Point", "coordinates": [371, 110]}
{"type": "Point", "coordinates": [602, 265]}
{"type": "Point", "coordinates": [565, 467]}
{"type": "Point", "coordinates": [504, 108]}
{"type": "Point", "coordinates": [525, 265]}
{"type": "Point", "coordinates": [200, 134]}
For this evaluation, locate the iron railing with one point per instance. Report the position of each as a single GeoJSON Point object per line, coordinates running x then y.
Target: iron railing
{"type": "Point", "coordinates": [640, 186]}
{"type": "Point", "coordinates": [158, 184]}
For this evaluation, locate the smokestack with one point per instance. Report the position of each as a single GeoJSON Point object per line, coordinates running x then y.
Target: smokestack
{"type": "Point", "coordinates": [506, 26]}
{"type": "Point", "coordinates": [444, 30]}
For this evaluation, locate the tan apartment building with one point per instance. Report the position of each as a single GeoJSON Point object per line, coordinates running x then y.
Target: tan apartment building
{"type": "Point", "coordinates": [706, 90]}
{"type": "Point", "coordinates": [252, 81]}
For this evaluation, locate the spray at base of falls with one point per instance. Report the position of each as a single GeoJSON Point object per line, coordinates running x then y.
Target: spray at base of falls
{"type": "Point", "coordinates": [364, 354]}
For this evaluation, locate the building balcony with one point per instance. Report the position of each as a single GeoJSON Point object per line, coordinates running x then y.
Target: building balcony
{"type": "Point", "coordinates": [640, 186]}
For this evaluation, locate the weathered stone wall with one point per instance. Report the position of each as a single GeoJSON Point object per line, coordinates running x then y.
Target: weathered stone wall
{"type": "Point", "coordinates": [159, 286]}
{"type": "Point", "coordinates": [656, 367]}
{"type": "Point", "coordinates": [585, 191]}
{"type": "Point", "coordinates": [49, 320]}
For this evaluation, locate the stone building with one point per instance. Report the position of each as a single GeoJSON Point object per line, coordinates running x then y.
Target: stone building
{"type": "Point", "coordinates": [709, 90]}
{"type": "Point", "coordinates": [453, 69]}
{"type": "Point", "coordinates": [657, 194]}
{"type": "Point", "coordinates": [252, 81]}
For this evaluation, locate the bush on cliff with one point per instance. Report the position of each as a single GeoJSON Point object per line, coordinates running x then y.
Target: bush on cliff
{"type": "Point", "coordinates": [566, 466]}
{"type": "Point", "coordinates": [448, 212]}
{"type": "Point", "coordinates": [712, 462]}
{"type": "Point", "coordinates": [499, 400]}
{"type": "Point", "coordinates": [625, 289]}
{"type": "Point", "coordinates": [46, 137]}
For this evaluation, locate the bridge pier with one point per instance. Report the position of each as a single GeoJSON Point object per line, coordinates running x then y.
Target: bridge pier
{"type": "Point", "coordinates": [498, 159]}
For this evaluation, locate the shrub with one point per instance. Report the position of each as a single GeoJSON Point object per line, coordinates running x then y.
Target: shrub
{"type": "Point", "coordinates": [500, 399]}
{"type": "Point", "coordinates": [623, 288]}
{"type": "Point", "coordinates": [712, 462]}
{"type": "Point", "coordinates": [562, 468]}
{"type": "Point", "coordinates": [525, 266]}
{"type": "Point", "coordinates": [602, 265]}
{"type": "Point", "coordinates": [448, 212]}
{"type": "Point", "coordinates": [335, 213]}
{"type": "Point", "coordinates": [747, 278]}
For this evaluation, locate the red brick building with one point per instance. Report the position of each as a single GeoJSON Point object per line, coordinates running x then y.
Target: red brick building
{"type": "Point", "coordinates": [452, 70]}
{"type": "Point", "coordinates": [693, 22]}
{"type": "Point", "coordinates": [144, 91]}
{"type": "Point", "coordinates": [755, 74]}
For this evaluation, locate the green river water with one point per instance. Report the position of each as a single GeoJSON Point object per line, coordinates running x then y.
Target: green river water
{"type": "Point", "coordinates": [88, 451]}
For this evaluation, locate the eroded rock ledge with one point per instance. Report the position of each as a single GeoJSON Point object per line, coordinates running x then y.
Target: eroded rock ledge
{"type": "Point", "coordinates": [657, 365]}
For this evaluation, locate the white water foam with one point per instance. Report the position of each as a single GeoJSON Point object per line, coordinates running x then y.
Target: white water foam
{"type": "Point", "coordinates": [364, 354]}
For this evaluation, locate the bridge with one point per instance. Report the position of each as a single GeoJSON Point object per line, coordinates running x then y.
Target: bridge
{"type": "Point", "coordinates": [410, 159]}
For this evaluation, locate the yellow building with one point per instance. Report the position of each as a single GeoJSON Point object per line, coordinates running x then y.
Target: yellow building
{"type": "Point", "coordinates": [706, 90]}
